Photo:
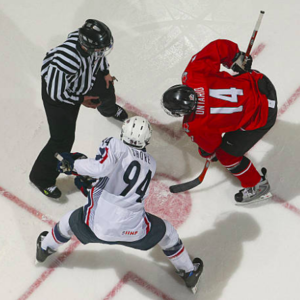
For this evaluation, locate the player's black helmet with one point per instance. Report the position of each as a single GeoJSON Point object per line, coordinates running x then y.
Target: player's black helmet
{"type": "Point", "coordinates": [94, 35]}
{"type": "Point", "coordinates": [179, 100]}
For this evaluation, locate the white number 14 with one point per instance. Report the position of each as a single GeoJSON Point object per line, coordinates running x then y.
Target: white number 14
{"type": "Point", "coordinates": [230, 95]}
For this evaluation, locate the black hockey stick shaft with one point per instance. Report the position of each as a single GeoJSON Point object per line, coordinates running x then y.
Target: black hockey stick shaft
{"type": "Point", "coordinates": [253, 37]}
{"type": "Point", "coordinates": [182, 187]}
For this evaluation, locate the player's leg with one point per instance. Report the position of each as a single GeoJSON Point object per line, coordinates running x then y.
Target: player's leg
{"type": "Point", "coordinates": [48, 242]}
{"type": "Point", "coordinates": [239, 166]}
{"type": "Point", "coordinates": [174, 249]}
{"type": "Point", "coordinates": [166, 236]}
{"type": "Point", "coordinates": [256, 186]}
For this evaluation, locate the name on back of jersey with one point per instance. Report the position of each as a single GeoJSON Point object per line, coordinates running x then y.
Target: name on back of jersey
{"type": "Point", "coordinates": [201, 101]}
{"type": "Point", "coordinates": [141, 155]}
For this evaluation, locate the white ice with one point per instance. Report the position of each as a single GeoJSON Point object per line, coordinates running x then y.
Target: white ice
{"type": "Point", "coordinates": [249, 252]}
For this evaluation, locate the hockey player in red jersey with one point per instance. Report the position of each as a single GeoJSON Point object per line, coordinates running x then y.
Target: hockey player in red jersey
{"type": "Point", "coordinates": [226, 115]}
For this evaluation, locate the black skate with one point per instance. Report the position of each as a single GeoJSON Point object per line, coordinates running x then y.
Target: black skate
{"type": "Point", "coordinates": [41, 254]}
{"type": "Point", "coordinates": [51, 191]}
{"type": "Point", "coordinates": [191, 279]}
{"type": "Point", "coordinates": [121, 114]}
{"type": "Point", "coordinates": [254, 194]}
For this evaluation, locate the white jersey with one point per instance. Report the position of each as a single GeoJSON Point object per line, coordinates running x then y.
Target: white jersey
{"type": "Point", "coordinates": [115, 209]}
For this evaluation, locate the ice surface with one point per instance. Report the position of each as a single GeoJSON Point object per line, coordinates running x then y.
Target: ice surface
{"type": "Point", "coordinates": [248, 252]}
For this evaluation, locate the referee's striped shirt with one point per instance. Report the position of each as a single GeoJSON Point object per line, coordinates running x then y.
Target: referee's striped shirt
{"type": "Point", "coordinates": [68, 74]}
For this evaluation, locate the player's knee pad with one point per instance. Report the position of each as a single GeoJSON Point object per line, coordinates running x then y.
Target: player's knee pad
{"type": "Point", "coordinates": [240, 167]}
{"type": "Point", "coordinates": [62, 230]}
{"type": "Point", "coordinates": [170, 238]}
{"type": "Point", "coordinates": [235, 165]}
{"type": "Point", "coordinates": [174, 251]}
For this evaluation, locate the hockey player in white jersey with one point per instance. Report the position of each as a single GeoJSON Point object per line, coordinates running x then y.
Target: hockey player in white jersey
{"type": "Point", "coordinates": [115, 213]}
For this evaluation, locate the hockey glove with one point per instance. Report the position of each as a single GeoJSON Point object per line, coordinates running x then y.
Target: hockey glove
{"type": "Point", "coordinates": [66, 165]}
{"type": "Point", "coordinates": [78, 155]}
{"type": "Point", "coordinates": [205, 154]}
{"type": "Point", "coordinates": [84, 184]}
{"type": "Point", "coordinates": [237, 63]}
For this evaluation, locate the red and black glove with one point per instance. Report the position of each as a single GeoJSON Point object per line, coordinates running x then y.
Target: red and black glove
{"type": "Point", "coordinates": [237, 63]}
{"type": "Point", "coordinates": [211, 156]}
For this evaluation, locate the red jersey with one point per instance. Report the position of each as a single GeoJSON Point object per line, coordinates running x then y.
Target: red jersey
{"type": "Point", "coordinates": [225, 102]}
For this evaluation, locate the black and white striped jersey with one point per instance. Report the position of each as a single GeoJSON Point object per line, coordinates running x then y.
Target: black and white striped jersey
{"type": "Point", "coordinates": [68, 74]}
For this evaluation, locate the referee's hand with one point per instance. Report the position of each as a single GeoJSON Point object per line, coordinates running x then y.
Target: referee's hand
{"type": "Point", "coordinates": [91, 101]}
{"type": "Point", "coordinates": [109, 79]}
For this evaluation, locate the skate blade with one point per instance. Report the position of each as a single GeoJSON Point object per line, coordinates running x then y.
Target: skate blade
{"type": "Point", "coordinates": [194, 289]}
{"type": "Point", "coordinates": [260, 199]}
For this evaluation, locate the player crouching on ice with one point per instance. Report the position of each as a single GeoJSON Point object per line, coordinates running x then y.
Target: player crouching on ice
{"type": "Point", "coordinates": [115, 213]}
{"type": "Point", "coordinates": [226, 115]}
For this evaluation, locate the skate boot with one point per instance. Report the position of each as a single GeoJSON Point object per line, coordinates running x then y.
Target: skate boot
{"type": "Point", "coordinates": [42, 254]}
{"type": "Point", "coordinates": [191, 279]}
{"type": "Point", "coordinates": [51, 191]}
{"type": "Point", "coordinates": [256, 193]}
{"type": "Point", "coordinates": [121, 114]}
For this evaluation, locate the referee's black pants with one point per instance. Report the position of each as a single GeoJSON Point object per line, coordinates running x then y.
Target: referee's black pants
{"type": "Point", "coordinates": [62, 124]}
{"type": "Point", "coordinates": [62, 119]}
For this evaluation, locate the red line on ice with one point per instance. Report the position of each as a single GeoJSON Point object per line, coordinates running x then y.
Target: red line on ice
{"type": "Point", "coordinates": [258, 50]}
{"type": "Point", "coordinates": [138, 280]}
{"type": "Point", "coordinates": [27, 207]}
{"type": "Point", "coordinates": [289, 102]}
{"type": "Point", "coordinates": [60, 259]}
{"type": "Point", "coordinates": [287, 205]}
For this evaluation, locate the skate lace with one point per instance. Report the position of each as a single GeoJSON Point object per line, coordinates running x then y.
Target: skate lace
{"type": "Point", "coordinates": [51, 188]}
{"type": "Point", "coordinates": [248, 192]}
{"type": "Point", "coordinates": [196, 266]}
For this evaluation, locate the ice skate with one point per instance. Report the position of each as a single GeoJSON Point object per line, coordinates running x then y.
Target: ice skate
{"type": "Point", "coordinates": [254, 194]}
{"type": "Point", "coordinates": [51, 192]}
{"type": "Point", "coordinates": [121, 114]}
{"type": "Point", "coordinates": [42, 254]}
{"type": "Point", "coordinates": [191, 279]}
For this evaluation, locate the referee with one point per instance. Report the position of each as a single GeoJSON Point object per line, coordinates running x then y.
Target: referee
{"type": "Point", "coordinates": [73, 74]}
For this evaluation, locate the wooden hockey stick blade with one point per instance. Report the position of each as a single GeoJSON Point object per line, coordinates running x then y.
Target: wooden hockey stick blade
{"type": "Point", "coordinates": [182, 187]}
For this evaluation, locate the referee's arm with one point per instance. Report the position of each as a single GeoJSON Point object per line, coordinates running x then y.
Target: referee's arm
{"type": "Point", "coordinates": [57, 86]}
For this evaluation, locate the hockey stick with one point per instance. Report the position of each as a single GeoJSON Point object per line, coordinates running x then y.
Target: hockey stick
{"type": "Point", "coordinates": [66, 168]}
{"type": "Point", "coordinates": [193, 183]}
{"type": "Point", "coordinates": [252, 39]}
{"type": "Point", "coordinates": [60, 158]}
